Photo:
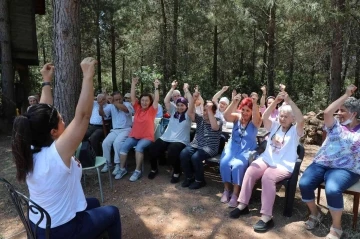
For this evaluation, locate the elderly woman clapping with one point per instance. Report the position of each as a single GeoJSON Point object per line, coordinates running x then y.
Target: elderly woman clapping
{"type": "Point", "coordinates": [337, 162]}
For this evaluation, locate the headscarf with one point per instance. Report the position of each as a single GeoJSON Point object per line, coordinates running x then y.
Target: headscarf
{"type": "Point", "coordinates": [181, 116]}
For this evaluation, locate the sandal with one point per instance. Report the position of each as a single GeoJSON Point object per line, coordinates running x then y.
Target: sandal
{"type": "Point", "coordinates": [338, 233]}
{"type": "Point", "coordinates": [313, 221]}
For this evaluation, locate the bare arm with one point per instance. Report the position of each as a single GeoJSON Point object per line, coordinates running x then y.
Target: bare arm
{"type": "Point", "coordinates": [263, 96]}
{"type": "Point", "coordinates": [169, 94]}
{"type": "Point", "coordinates": [256, 119]}
{"type": "Point", "coordinates": [47, 73]}
{"type": "Point", "coordinates": [299, 118]}
{"type": "Point", "coordinates": [70, 139]}
{"type": "Point", "coordinates": [191, 107]}
{"type": "Point", "coordinates": [265, 118]}
{"type": "Point", "coordinates": [229, 113]}
{"type": "Point", "coordinates": [218, 94]}
{"type": "Point", "coordinates": [334, 106]}
{"type": "Point", "coordinates": [133, 90]}
{"type": "Point", "coordinates": [214, 124]}
{"type": "Point", "coordinates": [121, 106]}
{"type": "Point", "coordinates": [156, 94]}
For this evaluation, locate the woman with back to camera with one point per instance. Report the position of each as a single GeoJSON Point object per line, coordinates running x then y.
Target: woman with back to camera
{"type": "Point", "coordinates": [43, 152]}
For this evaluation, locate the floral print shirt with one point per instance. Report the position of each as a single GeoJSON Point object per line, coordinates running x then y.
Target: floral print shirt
{"type": "Point", "coordinates": [341, 149]}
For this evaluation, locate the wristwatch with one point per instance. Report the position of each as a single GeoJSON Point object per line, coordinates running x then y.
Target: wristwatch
{"type": "Point", "coordinates": [45, 83]}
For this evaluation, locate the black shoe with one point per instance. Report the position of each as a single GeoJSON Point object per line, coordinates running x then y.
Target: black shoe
{"type": "Point", "coordinates": [175, 179]}
{"type": "Point", "coordinates": [152, 174]}
{"type": "Point", "coordinates": [236, 213]}
{"type": "Point", "coordinates": [187, 182]}
{"type": "Point", "coordinates": [262, 226]}
{"type": "Point", "coordinates": [197, 185]}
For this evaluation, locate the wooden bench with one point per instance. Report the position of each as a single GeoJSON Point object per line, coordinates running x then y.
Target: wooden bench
{"type": "Point", "coordinates": [353, 190]}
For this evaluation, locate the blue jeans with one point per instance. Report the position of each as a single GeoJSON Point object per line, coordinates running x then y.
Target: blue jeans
{"type": "Point", "coordinates": [130, 142]}
{"type": "Point", "coordinates": [336, 182]}
{"type": "Point", "coordinates": [192, 162]}
{"type": "Point", "coordinates": [90, 223]}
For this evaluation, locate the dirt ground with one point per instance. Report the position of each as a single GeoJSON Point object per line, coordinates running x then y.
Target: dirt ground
{"type": "Point", "coordinates": [158, 209]}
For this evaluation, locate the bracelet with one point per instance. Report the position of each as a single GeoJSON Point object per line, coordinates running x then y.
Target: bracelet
{"type": "Point", "coordinates": [45, 83]}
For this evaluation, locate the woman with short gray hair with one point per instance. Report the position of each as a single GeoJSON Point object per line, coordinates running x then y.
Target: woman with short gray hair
{"type": "Point", "coordinates": [337, 163]}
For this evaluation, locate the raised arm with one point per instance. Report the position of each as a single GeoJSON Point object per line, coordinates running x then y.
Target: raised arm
{"type": "Point", "coordinates": [299, 118]}
{"type": "Point", "coordinates": [134, 81]}
{"type": "Point", "coordinates": [256, 119]}
{"type": "Point", "coordinates": [70, 139]}
{"type": "Point", "coordinates": [47, 73]}
{"type": "Point", "coordinates": [230, 114]}
{"type": "Point", "coordinates": [156, 94]}
{"type": "Point", "coordinates": [334, 106]}
{"type": "Point", "coordinates": [191, 108]}
{"type": "Point", "coordinates": [265, 117]}
{"type": "Point", "coordinates": [263, 96]}
{"type": "Point", "coordinates": [218, 94]}
{"type": "Point", "coordinates": [167, 98]}
{"type": "Point", "coordinates": [213, 122]}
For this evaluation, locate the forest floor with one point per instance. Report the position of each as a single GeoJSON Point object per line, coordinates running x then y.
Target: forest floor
{"type": "Point", "coordinates": [158, 209]}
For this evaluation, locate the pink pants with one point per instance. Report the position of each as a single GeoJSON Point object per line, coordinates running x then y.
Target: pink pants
{"type": "Point", "coordinates": [270, 176]}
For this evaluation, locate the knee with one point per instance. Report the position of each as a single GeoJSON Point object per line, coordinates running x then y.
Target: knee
{"type": "Point", "coordinates": [333, 191]}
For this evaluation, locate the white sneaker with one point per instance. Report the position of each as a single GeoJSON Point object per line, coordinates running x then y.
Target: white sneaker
{"type": "Point", "coordinates": [116, 170]}
{"type": "Point", "coordinates": [121, 173]}
{"type": "Point", "coordinates": [135, 176]}
{"type": "Point", "coordinates": [105, 168]}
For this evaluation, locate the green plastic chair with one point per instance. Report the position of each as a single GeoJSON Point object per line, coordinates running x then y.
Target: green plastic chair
{"type": "Point", "coordinates": [98, 162]}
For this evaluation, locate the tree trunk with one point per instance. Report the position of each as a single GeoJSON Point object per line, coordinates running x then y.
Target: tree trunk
{"type": "Point", "coordinates": [253, 56]}
{"type": "Point", "coordinates": [43, 50]}
{"type": "Point", "coordinates": [123, 76]}
{"type": "Point", "coordinates": [264, 65]}
{"type": "Point", "coordinates": [290, 78]}
{"type": "Point", "coordinates": [357, 71]}
{"type": "Point", "coordinates": [98, 47]}
{"type": "Point", "coordinates": [347, 53]}
{"type": "Point", "coordinates": [175, 39]}
{"type": "Point", "coordinates": [67, 57]}
{"type": "Point", "coordinates": [113, 56]}
{"type": "Point", "coordinates": [336, 50]}
{"type": "Point", "coordinates": [164, 45]}
{"type": "Point", "coordinates": [7, 69]}
{"type": "Point", "coordinates": [23, 71]}
{"type": "Point", "coordinates": [215, 46]}
{"type": "Point", "coordinates": [271, 62]}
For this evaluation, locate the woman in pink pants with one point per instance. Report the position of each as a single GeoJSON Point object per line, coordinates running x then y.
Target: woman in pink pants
{"type": "Point", "coordinates": [276, 163]}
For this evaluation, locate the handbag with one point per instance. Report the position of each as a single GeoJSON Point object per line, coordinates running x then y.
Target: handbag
{"type": "Point", "coordinates": [87, 155]}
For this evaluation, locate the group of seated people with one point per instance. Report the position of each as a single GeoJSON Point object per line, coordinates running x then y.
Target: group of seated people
{"type": "Point", "coordinates": [36, 146]}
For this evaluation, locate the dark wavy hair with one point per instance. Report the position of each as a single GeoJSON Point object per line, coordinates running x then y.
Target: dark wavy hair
{"type": "Point", "coordinates": [31, 132]}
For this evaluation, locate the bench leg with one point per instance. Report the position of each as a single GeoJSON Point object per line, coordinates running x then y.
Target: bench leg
{"type": "Point", "coordinates": [100, 185]}
{"type": "Point", "coordinates": [318, 195]}
{"type": "Point", "coordinates": [355, 210]}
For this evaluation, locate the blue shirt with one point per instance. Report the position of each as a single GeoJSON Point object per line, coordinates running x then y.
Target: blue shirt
{"type": "Point", "coordinates": [120, 119]}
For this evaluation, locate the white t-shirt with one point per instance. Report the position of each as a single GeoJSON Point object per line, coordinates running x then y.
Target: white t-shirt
{"type": "Point", "coordinates": [55, 187]}
{"type": "Point", "coordinates": [220, 115]}
{"type": "Point", "coordinates": [176, 131]}
{"type": "Point", "coordinates": [281, 147]}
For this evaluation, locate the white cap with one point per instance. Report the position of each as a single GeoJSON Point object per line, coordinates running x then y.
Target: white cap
{"type": "Point", "coordinates": [225, 100]}
{"type": "Point", "coordinates": [127, 95]}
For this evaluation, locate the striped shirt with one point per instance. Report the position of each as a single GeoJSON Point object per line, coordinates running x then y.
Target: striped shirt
{"type": "Point", "coordinates": [206, 138]}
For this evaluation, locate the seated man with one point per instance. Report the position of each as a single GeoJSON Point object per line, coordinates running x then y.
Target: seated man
{"type": "Point", "coordinates": [95, 133]}
{"type": "Point", "coordinates": [121, 115]}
